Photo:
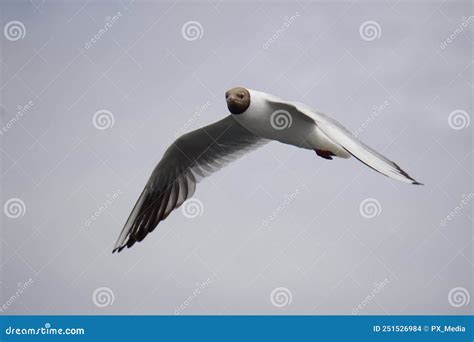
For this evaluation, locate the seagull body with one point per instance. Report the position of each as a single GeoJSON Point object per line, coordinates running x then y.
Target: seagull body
{"type": "Point", "coordinates": [271, 118]}
{"type": "Point", "coordinates": [256, 118]}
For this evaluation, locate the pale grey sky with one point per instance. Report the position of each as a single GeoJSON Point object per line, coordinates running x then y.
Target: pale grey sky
{"type": "Point", "coordinates": [397, 73]}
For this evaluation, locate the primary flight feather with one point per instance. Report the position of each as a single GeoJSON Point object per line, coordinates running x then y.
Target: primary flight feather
{"type": "Point", "coordinates": [256, 119]}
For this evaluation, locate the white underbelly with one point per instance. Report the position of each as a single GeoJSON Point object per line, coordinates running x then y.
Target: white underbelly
{"type": "Point", "coordinates": [295, 132]}
{"type": "Point", "coordinates": [290, 130]}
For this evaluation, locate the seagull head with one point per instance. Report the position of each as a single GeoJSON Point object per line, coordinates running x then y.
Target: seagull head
{"type": "Point", "coordinates": [238, 100]}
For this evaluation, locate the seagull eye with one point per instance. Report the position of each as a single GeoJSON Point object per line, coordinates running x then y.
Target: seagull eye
{"type": "Point", "coordinates": [241, 96]}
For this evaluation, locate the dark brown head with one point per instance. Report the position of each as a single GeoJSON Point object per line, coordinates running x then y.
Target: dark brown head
{"type": "Point", "coordinates": [238, 100]}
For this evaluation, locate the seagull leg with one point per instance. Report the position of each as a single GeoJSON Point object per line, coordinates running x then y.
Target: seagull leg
{"type": "Point", "coordinates": [324, 154]}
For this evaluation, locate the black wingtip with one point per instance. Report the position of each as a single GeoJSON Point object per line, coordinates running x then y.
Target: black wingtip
{"type": "Point", "coordinates": [417, 183]}
{"type": "Point", "coordinates": [118, 249]}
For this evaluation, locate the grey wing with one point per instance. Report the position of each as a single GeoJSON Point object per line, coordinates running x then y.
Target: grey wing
{"type": "Point", "coordinates": [191, 157]}
{"type": "Point", "coordinates": [341, 136]}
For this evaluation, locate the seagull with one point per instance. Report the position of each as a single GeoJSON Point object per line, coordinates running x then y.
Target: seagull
{"type": "Point", "coordinates": [256, 118]}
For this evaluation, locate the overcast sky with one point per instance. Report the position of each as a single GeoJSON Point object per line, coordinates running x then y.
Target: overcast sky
{"type": "Point", "coordinates": [93, 93]}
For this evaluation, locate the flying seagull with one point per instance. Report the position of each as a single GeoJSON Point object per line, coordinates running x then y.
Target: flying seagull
{"type": "Point", "coordinates": [256, 119]}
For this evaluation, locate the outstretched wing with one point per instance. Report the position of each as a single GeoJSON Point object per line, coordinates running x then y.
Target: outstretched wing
{"type": "Point", "coordinates": [190, 158]}
{"type": "Point", "coordinates": [342, 137]}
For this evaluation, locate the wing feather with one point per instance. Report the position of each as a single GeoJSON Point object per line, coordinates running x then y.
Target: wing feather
{"type": "Point", "coordinates": [342, 137]}
{"type": "Point", "coordinates": [190, 158]}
